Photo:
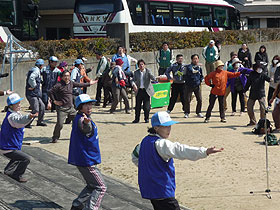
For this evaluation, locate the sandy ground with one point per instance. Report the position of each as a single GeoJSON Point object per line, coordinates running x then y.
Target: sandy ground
{"type": "Point", "coordinates": [221, 181]}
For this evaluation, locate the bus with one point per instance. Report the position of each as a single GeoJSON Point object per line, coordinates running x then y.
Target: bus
{"type": "Point", "coordinates": [19, 18]}
{"type": "Point", "coordinates": [92, 16]}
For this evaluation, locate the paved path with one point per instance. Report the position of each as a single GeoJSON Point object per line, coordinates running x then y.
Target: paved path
{"type": "Point", "coordinates": [54, 184]}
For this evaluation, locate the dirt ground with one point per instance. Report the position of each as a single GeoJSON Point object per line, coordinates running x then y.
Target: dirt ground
{"type": "Point", "coordinates": [221, 181]}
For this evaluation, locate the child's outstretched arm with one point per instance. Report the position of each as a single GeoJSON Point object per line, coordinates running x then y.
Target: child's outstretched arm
{"type": "Point", "coordinates": [85, 126]}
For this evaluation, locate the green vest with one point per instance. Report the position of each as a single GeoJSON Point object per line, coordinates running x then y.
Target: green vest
{"type": "Point", "coordinates": [165, 58]}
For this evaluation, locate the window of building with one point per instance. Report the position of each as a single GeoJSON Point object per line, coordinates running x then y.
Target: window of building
{"type": "Point", "coordinates": [202, 15]}
{"type": "Point", "coordinates": [182, 14]}
{"type": "Point", "coordinates": [58, 33]}
{"type": "Point", "coordinates": [253, 23]}
{"type": "Point", "coordinates": [220, 17]}
{"type": "Point", "coordinates": [7, 13]}
{"type": "Point", "coordinates": [159, 13]}
{"type": "Point", "coordinates": [273, 23]}
{"type": "Point", "coordinates": [137, 12]}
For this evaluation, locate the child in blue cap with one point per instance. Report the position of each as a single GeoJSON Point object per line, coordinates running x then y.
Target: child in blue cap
{"type": "Point", "coordinates": [11, 136]}
{"type": "Point", "coordinates": [84, 153]}
{"type": "Point", "coordinates": [154, 156]}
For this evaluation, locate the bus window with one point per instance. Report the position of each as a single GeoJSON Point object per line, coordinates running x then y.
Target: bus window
{"type": "Point", "coordinates": [182, 14]}
{"type": "Point", "coordinates": [202, 15]}
{"type": "Point", "coordinates": [220, 17]}
{"type": "Point", "coordinates": [7, 13]}
{"type": "Point", "coordinates": [159, 13]}
{"type": "Point", "coordinates": [97, 7]}
{"type": "Point", "coordinates": [137, 12]}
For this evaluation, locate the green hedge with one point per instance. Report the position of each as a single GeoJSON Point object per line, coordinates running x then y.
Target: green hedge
{"type": "Point", "coordinates": [141, 42]}
{"type": "Point", "coordinates": [72, 48]}
{"type": "Point", "coordinates": [153, 40]}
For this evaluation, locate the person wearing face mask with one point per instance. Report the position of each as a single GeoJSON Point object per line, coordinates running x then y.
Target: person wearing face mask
{"type": "Point", "coordinates": [219, 79]}
{"type": "Point", "coordinates": [256, 84]}
{"type": "Point", "coordinates": [237, 85]}
{"type": "Point", "coordinates": [262, 58]}
{"type": "Point", "coordinates": [178, 70]}
{"type": "Point", "coordinates": [272, 85]}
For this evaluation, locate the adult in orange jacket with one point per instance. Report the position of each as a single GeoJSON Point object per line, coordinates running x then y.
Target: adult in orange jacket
{"type": "Point", "coordinates": [219, 79]}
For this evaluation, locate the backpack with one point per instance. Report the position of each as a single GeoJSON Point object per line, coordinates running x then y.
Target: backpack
{"type": "Point", "coordinates": [260, 129]}
{"type": "Point", "coordinates": [271, 140]}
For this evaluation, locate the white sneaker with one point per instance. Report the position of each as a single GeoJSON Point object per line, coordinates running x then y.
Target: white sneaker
{"type": "Point", "coordinates": [186, 116]}
{"type": "Point", "coordinates": [233, 113]}
{"type": "Point", "coordinates": [168, 111]}
{"type": "Point", "coordinates": [200, 115]}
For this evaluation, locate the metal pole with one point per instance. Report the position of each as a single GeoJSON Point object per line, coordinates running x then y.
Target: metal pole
{"type": "Point", "coordinates": [11, 64]}
{"type": "Point", "coordinates": [266, 157]}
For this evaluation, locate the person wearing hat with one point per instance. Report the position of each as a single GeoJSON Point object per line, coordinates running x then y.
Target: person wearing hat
{"type": "Point", "coordinates": [211, 55]}
{"type": "Point", "coordinates": [11, 136]}
{"type": "Point", "coordinates": [84, 153]}
{"type": "Point", "coordinates": [33, 92]}
{"type": "Point", "coordinates": [227, 67]}
{"type": "Point", "coordinates": [154, 157]}
{"type": "Point", "coordinates": [50, 75]}
{"type": "Point", "coordinates": [62, 66]}
{"type": "Point", "coordinates": [62, 96]}
{"type": "Point", "coordinates": [218, 81]}
{"type": "Point", "coordinates": [118, 87]}
{"type": "Point", "coordinates": [237, 85]}
{"type": "Point", "coordinates": [76, 76]}
{"type": "Point", "coordinates": [256, 84]}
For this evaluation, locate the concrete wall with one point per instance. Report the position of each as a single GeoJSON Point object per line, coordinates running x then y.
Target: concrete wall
{"type": "Point", "coordinates": [149, 57]}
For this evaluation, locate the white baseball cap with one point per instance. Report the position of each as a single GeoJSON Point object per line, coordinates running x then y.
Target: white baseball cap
{"type": "Point", "coordinates": [211, 42]}
{"type": "Point", "coordinates": [162, 119]}
{"type": "Point", "coordinates": [53, 58]}
{"type": "Point", "coordinates": [13, 99]}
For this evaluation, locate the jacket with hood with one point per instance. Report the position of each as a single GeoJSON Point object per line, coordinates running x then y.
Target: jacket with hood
{"type": "Point", "coordinates": [242, 55]}
{"type": "Point", "coordinates": [262, 58]}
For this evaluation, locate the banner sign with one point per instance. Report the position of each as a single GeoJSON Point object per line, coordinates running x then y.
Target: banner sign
{"type": "Point", "coordinates": [161, 96]}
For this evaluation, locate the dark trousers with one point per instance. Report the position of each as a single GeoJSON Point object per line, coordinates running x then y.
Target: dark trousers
{"type": "Point", "coordinates": [188, 95]}
{"type": "Point", "coordinates": [142, 97]}
{"type": "Point", "coordinates": [234, 99]}
{"type": "Point", "coordinates": [161, 71]}
{"type": "Point", "coordinates": [62, 113]}
{"type": "Point", "coordinates": [270, 94]}
{"type": "Point", "coordinates": [276, 115]}
{"type": "Point", "coordinates": [117, 93]}
{"type": "Point", "coordinates": [166, 204]}
{"type": "Point", "coordinates": [37, 106]}
{"type": "Point", "coordinates": [176, 90]}
{"type": "Point", "coordinates": [99, 90]}
{"type": "Point", "coordinates": [17, 165]}
{"type": "Point", "coordinates": [212, 99]}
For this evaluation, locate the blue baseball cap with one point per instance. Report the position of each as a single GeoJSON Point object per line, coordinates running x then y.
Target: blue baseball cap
{"type": "Point", "coordinates": [53, 58]}
{"type": "Point", "coordinates": [82, 99]}
{"type": "Point", "coordinates": [13, 99]}
{"type": "Point", "coordinates": [162, 119]}
{"type": "Point", "coordinates": [78, 61]}
{"type": "Point", "coordinates": [39, 62]}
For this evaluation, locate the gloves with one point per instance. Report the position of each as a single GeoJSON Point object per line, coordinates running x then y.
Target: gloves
{"type": "Point", "coordinates": [212, 85]}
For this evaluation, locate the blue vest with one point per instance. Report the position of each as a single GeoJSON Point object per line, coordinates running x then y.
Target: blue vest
{"type": "Point", "coordinates": [156, 177]}
{"type": "Point", "coordinates": [10, 138]}
{"type": "Point", "coordinates": [49, 78]}
{"type": "Point", "coordinates": [83, 151]}
{"type": "Point", "coordinates": [36, 92]}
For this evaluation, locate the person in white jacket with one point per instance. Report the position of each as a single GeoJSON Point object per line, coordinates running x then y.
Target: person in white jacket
{"type": "Point", "coordinates": [154, 157]}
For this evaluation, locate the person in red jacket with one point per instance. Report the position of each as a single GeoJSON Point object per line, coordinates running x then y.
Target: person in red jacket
{"type": "Point", "coordinates": [219, 79]}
